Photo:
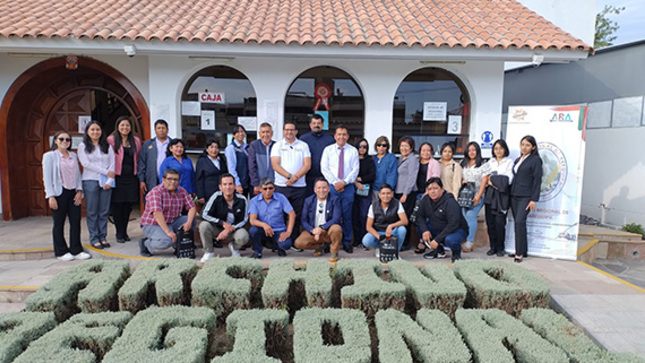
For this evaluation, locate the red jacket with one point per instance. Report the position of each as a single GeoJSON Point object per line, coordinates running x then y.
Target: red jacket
{"type": "Point", "coordinates": [118, 154]}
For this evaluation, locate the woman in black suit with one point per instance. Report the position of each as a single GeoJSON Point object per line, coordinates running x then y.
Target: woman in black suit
{"type": "Point", "coordinates": [209, 167]}
{"type": "Point", "coordinates": [525, 190]}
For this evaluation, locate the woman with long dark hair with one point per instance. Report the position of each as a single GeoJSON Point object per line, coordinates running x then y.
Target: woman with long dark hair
{"type": "Point", "coordinates": [474, 171]}
{"type": "Point", "coordinates": [450, 170]}
{"type": "Point", "coordinates": [126, 148]}
{"type": "Point", "coordinates": [97, 158]}
{"type": "Point", "coordinates": [498, 196]}
{"type": "Point", "coordinates": [525, 191]}
{"type": "Point", "coordinates": [210, 166]}
{"type": "Point", "coordinates": [64, 194]}
{"type": "Point", "coordinates": [363, 197]}
{"type": "Point", "coordinates": [176, 159]}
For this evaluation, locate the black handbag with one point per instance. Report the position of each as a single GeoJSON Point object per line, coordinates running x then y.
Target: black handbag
{"type": "Point", "coordinates": [466, 195]}
{"type": "Point", "coordinates": [185, 247]}
{"type": "Point", "coordinates": [388, 248]}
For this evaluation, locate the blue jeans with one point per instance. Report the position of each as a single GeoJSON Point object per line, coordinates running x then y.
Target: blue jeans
{"type": "Point", "coordinates": [452, 241]}
{"type": "Point", "coordinates": [347, 202]}
{"type": "Point", "coordinates": [97, 204]}
{"type": "Point", "coordinates": [157, 239]}
{"type": "Point", "coordinates": [371, 241]}
{"type": "Point", "coordinates": [471, 218]}
{"type": "Point", "coordinates": [258, 236]}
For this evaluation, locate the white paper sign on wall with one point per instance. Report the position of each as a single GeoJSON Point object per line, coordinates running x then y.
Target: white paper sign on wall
{"type": "Point", "coordinates": [435, 111]}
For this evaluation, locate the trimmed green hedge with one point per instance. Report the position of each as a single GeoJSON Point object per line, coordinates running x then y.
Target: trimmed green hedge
{"type": "Point", "coordinates": [562, 333]}
{"type": "Point", "coordinates": [163, 283]}
{"type": "Point", "coordinates": [166, 334]}
{"type": "Point", "coordinates": [496, 337]}
{"type": "Point", "coordinates": [228, 284]}
{"type": "Point", "coordinates": [501, 285]}
{"type": "Point", "coordinates": [433, 338]}
{"type": "Point", "coordinates": [433, 287]}
{"type": "Point", "coordinates": [331, 335]}
{"type": "Point", "coordinates": [361, 287]}
{"type": "Point", "coordinates": [256, 335]}
{"type": "Point", "coordinates": [89, 287]}
{"type": "Point", "coordinates": [17, 330]}
{"type": "Point", "coordinates": [82, 338]}
{"type": "Point", "coordinates": [286, 286]}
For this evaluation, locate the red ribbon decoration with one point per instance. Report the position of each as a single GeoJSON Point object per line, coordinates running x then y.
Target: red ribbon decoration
{"type": "Point", "coordinates": [322, 96]}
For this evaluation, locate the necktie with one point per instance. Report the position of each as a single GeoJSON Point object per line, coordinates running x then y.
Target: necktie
{"type": "Point", "coordinates": [341, 164]}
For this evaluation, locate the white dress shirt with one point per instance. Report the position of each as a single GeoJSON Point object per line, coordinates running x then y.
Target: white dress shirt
{"type": "Point", "coordinates": [329, 163]}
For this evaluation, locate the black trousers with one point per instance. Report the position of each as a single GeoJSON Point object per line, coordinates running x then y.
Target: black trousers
{"type": "Point", "coordinates": [496, 225]}
{"type": "Point", "coordinates": [121, 214]}
{"type": "Point", "coordinates": [520, 213]}
{"type": "Point", "coordinates": [67, 208]}
{"type": "Point", "coordinates": [408, 207]}
{"type": "Point", "coordinates": [296, 197]}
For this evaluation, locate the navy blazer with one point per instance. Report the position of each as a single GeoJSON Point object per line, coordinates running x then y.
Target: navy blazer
{"type": "Point", "coordinates": [333, 212]}
{"type": "Point", "coordinates": [528, 178]}
{"type": "Point", "coordinates": [207, 176]}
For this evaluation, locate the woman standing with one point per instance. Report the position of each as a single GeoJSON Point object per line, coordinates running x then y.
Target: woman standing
{"type": "Point", "coordinates": [428, 167]}
{"type": "Point", "coordinates": [450, 170]}
{"type": "Point", "coordinates": [406, 185]}
{"type": "Point", "coordinates": [366, 176]}
{"type": "Point", "coordinates": [210, 166]}
{"type": "Point", "coordinates": [525, 191]}
{"type": "Point", "coordinates": [97, 158]}
{"type": "Point", "coordinates": [475, 171]}
{"type": "Point", "coordinates": [498, 197]}
{"type": "Point", "coordinates": [126, 191]}
{"type": "Point", "coordinates": [64, 193]}
{"type": "Point", "coordinates": [386, 165]}
{"type": "Point", "coordinates": [176, 159]}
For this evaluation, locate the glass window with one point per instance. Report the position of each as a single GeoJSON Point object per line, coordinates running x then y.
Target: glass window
{"type": "Point", "coordinates": [345, 102]}
{"type": "Point", "coordinates": [442, 95]}
{"type": "Point", "coordinates": [599, 115]}
{"type": "Point", "coordinates": [627, 112]}
{"type": "Point", "coordinates": [235, 96]}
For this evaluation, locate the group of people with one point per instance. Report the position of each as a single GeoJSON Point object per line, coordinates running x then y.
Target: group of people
{"type": "Point", "coordinates": [316, 192]}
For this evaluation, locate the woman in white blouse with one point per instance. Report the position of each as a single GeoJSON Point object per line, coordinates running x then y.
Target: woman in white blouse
{"type": "Point", "coordinates": [97, 158]}
{"type": "Point", "coordinates": [475, 171]}
{"type": "Point", "coordinates": [498, 196]}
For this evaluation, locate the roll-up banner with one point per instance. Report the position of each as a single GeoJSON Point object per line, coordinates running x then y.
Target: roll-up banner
{"type": "Point", "coordinates": [560, 134]}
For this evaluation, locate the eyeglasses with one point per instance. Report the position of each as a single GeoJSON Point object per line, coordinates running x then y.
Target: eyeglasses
{"type": "Point", "coordinates": [268, 188]}
{"type": "Point", "coordinates": [174, 180]}
{"type": "Point", "coordinates": [381, 145]}
{"type": "Point", "coordinates": [66, 139]}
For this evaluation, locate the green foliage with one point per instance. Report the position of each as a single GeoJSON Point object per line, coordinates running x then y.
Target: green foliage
{"type": "Point", "coordinates": [501, 285]}
{"type": "Point", "coordinates": [166, 334]}
{"type": "Point", "coordinates": [331, 335]}
{"type": "Point", "coordinates": [256, 334]}
{"type": "Point", "coordinates": [606, 28]}
{"type": "Point", "coordinates": [286, 286]}
{"type": "Point", "coordinates": [17, 330]}
{"type": "Point", "coordinates": [89, 287]}
{"type": "Point", "coordinates": [83, 338]}
{"type": "Point", "coordinates": [634, 228]}
{"type": "Point", "coordinates": [163, 282]}
{"type": "Point", "coordinates": [227, 284]}
{"type": "Point", "coordinates": [496, 337]}
{"type": "Point", "coordinates": [433, 287]}
{"type": "Point", "coordinates": [432, 339]}
{"type": "Point", "coordinates": [361, 287]}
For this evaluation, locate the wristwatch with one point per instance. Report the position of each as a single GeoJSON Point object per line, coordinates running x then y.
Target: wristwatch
{"type": "Point", "coordinates": [288, 176]}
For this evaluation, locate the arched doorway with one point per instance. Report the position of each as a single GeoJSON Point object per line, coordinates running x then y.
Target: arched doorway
{"type": "Point", "coordinates": [44, 99]}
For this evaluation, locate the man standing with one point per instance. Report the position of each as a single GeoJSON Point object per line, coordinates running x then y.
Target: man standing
{"type": "Point", "coordinates": [339, 165]}
{"type": "Point", "coordinates": [224, 217]}
{"type": "Point", "coordinates": [153, 153]}
{"type": "Point", "coordinates": [321, 222]}
{"type": "Point", "coordinates": [291, 160]}
{"type": "Point", "coordinates": [317, 141]}
{"type": "Point", "coordinates": [260, 157]}
{"type": "Point", "coordinates": [237, 160]}
{"type": "Point", "coordinates": [440, 222]}
{"type": "Point", "coordinates": [162, 217]}
{"type": "Point", "coordinates": [266, 214]}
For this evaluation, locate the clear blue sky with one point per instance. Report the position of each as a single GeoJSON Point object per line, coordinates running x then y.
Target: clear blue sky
{"type": "Point", "coordinates": [631, 20]}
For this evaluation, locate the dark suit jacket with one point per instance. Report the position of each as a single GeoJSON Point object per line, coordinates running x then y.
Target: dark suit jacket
{"type": "Point", "coordinates": [528, 178]}
{"type": "Point", "coordinates": [147, 165]}
{"type": "Point", "coordinates": [207, 176]}
{"type": "Point", "coordinates": [333, 212]}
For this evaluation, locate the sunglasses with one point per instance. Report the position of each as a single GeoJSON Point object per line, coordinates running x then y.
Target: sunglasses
{"type": "Point", "coordinates": [268, 188]}
{"type": "Point", "coordinates": [320, 208]}
{"type": "Point", "coordinates": [362, 146]}
{"type": "Point", "coordinates": [381, 145]}
{"type": "Point", "coordinates": [67, 139]}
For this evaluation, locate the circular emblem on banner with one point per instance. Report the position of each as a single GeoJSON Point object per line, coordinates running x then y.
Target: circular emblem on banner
{"type": "Point", "coordinates": [554, 170]}
{"type": "Point", "coordinates": [322, 92]}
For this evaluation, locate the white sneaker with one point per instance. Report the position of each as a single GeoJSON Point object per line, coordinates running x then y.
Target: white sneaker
{"type": "Point", "coordinates": [82, 256]}
{"type": "Point", "coordinates": [377, 253]}
{"type": "Point", "coordinates": [234, 253]}
{"type": "Point", "coordinates": [66, 257]}
{"type": "Point", "coordinates": [207, 256]}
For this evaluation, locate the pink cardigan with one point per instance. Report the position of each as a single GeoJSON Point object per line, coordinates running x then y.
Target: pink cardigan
{"type": "Point", "coordinates": [118, 154]}
{"type": "Point", "coordinates": [434, 169]}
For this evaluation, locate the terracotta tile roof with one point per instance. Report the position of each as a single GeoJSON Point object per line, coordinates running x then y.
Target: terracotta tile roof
{"type": "Point", "coordinates": [457, 23]}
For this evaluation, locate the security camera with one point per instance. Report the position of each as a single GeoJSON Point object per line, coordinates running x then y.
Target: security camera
{"type": "Point", "coordinates": [537, 60]}
{"type": "Point", "coordinates": [130, 50]}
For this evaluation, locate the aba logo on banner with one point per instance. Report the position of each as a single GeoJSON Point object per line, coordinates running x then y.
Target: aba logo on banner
{"type": "Point", "coordinates": [561, 117]}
